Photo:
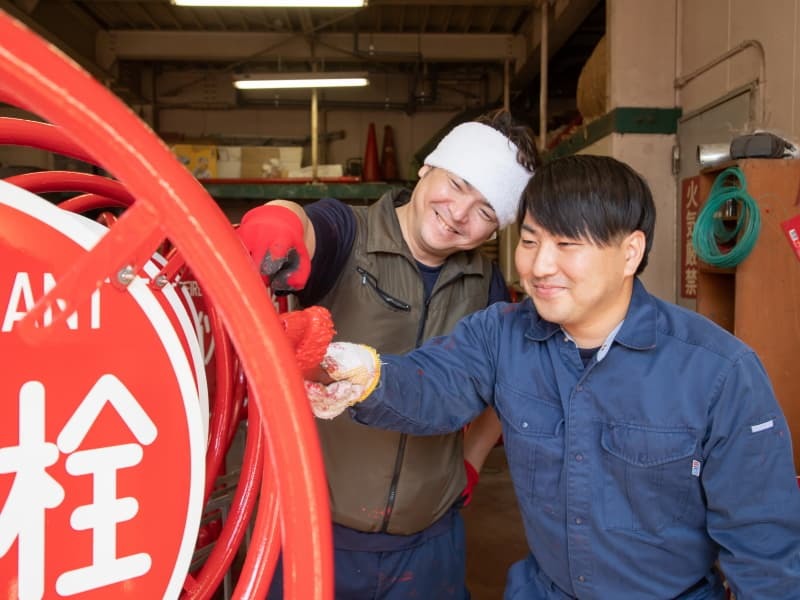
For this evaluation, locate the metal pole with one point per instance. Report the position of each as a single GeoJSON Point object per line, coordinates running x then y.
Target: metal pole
{"type": "Point", "coordinates": [314, 133]}
{"type": "Point", "coordinates": [506, 85]}
{"type": "Point", "coordinates": [545, 5]}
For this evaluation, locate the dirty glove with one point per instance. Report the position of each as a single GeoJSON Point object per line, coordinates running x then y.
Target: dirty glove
{"type": "Point", "coordinates": [275, 238]}
{"type": "Point", "coordinates": [472, 480]}
{"type": "Point", "coordinates": [309, 331]}
{"type": "Point", "coordinates": [355, 370]}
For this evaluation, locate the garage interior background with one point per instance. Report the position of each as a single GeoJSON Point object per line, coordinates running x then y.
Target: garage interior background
{"type": "Point", "coordinates": [645, 81]}
{"type": "Point", "coordinates": [432, 62]}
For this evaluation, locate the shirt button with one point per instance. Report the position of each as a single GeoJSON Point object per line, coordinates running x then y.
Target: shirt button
{"type": "Point", "coordinates": [578, 520]}
{"type": "Point", "coordinates": [581, 578]}
{"type": "Point", "coordinates": [579, 388]}
{"type": "Point", "coordinates": [579, 457]}
{"type": "Point", "coordinates": [524, 424]}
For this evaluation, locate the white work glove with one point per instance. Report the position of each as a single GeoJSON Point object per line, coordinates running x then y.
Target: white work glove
{"type": "Point", "coordinates": [355, 370]}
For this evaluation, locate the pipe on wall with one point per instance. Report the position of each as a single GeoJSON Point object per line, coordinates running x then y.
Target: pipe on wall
{"type": "Point", "coordinates": [680, 82]}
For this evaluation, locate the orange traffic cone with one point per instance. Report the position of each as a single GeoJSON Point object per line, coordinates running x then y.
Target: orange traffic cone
{"type": "Point", "coordinates": [388, 157]}
{"type": "Point", "coordinates": [371, 170]}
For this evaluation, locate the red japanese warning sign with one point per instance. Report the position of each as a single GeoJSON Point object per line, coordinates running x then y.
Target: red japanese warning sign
{"type": "Point", "coordinates": [689, 209]}
{"type": "Point", "coordinates": [101, 440]}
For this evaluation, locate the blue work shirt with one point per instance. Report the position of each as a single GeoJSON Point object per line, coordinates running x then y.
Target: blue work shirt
{"type": "Point", "coordinates": [633, 474]}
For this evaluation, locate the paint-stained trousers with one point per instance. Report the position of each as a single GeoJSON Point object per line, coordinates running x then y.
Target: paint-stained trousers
{"type": "Point", "coordinates": [430, 564]}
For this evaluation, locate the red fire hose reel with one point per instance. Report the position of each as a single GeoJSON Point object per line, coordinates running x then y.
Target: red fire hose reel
{"type": "Point", "coordinates": [107, 458]}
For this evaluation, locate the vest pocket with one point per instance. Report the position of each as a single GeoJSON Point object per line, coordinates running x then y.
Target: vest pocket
{"type": "Point", "coordinates": [533, 436]}
{"type": "Point", "coordinates": [368, 279]}
{"type": "Point", "coordinates": [647, 475]}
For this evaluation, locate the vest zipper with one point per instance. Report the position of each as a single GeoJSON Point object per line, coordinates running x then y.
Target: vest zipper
{"type": "Point", "coordinates": [398, 464]}
{"type": "Point", "coordinates": [424, 318]}
{"type": "Point", "coordinates": [401, 447]}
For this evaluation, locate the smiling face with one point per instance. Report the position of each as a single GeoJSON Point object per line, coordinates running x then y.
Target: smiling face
{"type": "Point", "coordinates": [445, 215]}
{"type": "Point", "coordinates": [576, 283]}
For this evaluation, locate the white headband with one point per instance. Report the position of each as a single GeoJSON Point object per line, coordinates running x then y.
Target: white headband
{"type": "Point", "coordinates": [486, 159]}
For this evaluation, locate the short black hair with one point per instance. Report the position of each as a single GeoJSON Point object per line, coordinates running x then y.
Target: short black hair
{"type": "Point", "coordinates": [596, 198]}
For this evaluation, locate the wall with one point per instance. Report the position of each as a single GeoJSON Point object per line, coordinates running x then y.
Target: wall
{"type": "Point", "coordinates": [653, 42]}
{"type": "Point", "coordinates": [641, 58]}
{"type": "Point", "coordinates": [709, 28]}
{"type": "Point", "coordinates": [646, 154]}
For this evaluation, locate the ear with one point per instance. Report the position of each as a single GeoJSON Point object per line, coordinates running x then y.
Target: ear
{"type": "Point", "coordinates": [633, 246]}
{"type": "Point", "coordinates": [423, 170]}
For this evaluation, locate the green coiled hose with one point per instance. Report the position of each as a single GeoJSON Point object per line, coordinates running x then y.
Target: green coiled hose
{"type": "Point", "coordinates": [710, 230]}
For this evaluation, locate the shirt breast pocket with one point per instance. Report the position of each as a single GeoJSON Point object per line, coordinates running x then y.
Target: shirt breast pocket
{"type": "Point", "coordinates": [533, 437]}
{"type": "Point", "coordinates": [648, 474]}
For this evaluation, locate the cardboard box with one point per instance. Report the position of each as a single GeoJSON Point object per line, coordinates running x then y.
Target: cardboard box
{"type": "Point", "coordinates": [200, 160]}
{"type": "Point", "coordinates": [291, 158]}
{"type": "Point", "coordinates": [326, 171]}
{"type": "Point", "coordinates": [229, 162]}
{"type": "Point", "coordinates": [260, 161]}
{"type": "Point", "coordinates": [270, 161]}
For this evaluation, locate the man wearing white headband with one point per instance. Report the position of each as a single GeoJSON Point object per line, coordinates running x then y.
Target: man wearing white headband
{"type": "Point", "coordinates": [394, 274]}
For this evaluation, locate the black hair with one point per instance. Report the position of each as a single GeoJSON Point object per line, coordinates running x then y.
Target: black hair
{"type": "Point", "coordinates": [596, 198]}
{"type": "Point", "coordinates": [517, 132]}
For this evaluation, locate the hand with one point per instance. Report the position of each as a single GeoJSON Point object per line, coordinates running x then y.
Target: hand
{"type": "Point", "coordinates": [472, 480]}
{"type": "Point", "coordinates": [355, 370]}
{"type": "Point", "coordinates": [275, 238]}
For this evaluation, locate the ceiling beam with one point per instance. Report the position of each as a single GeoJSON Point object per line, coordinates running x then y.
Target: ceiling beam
{"type": "Point", "coordinates": [456, 3]}
{"type": "Point", "coordinates": [382, 47]}
{"type": "Point", "coordinates": [568, 17]}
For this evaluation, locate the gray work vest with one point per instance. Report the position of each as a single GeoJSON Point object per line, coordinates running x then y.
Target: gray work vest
{"type": "Point", "coordinates": [381, 480]}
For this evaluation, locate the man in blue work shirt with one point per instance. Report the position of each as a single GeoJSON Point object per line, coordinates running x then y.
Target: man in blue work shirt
{"type": "Point", "coordinates": [645, 443]}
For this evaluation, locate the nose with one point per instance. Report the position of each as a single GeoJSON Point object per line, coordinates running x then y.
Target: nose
{"type": "Point", "coordinates": [459, 211]}
{"type": "Point", "coordinates": [543, 261]}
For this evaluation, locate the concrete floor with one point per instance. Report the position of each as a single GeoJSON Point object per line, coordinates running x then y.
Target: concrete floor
{"type": "Point", "coordinates": [495, 537]}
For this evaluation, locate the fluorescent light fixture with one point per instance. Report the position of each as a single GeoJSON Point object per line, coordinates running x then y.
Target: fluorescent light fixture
{"type": "Point", "coordinates": [276, 3]}
{"type": "Point", "coordinates": [282, 81]}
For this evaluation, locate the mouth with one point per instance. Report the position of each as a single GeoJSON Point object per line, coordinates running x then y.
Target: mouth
{"type": "Point", "coordinates": [547, 290]}
{"type": "Point", "coordinates": [445, 225]}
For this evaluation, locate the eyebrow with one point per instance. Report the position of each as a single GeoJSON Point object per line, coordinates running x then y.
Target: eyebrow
{"type": "Point", "coordinates": [461, 180]}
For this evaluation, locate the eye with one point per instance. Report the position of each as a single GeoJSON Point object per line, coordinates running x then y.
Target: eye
{"type": "Point", "coordinates": [486, 214]}
{"type": "Point", "coordinates": [455, 184]}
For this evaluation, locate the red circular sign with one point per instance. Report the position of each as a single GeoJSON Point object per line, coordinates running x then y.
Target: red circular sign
{"type": "Point", "coordinates": [101, 445]}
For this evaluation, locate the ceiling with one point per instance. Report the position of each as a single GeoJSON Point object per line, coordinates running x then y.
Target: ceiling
{"type": "Point", "coordinates": [441, 54]}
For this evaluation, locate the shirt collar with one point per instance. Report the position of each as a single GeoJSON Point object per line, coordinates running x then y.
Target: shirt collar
{"type": "Point", "coordinates": [637, 331]}
{"type": "Point", "coordinates": [604, 347]}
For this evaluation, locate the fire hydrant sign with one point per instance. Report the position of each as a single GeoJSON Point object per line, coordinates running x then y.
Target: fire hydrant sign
{"type": "Point", "coordinates": [101, 440]}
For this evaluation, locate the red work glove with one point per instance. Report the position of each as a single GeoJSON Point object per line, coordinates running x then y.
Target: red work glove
{"type": "Point", "coordinates": [275, 239]}
{"type": "Point", "coordinates": [472, 480]}
{"type": "Point", "coordinates": [310, 331]}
